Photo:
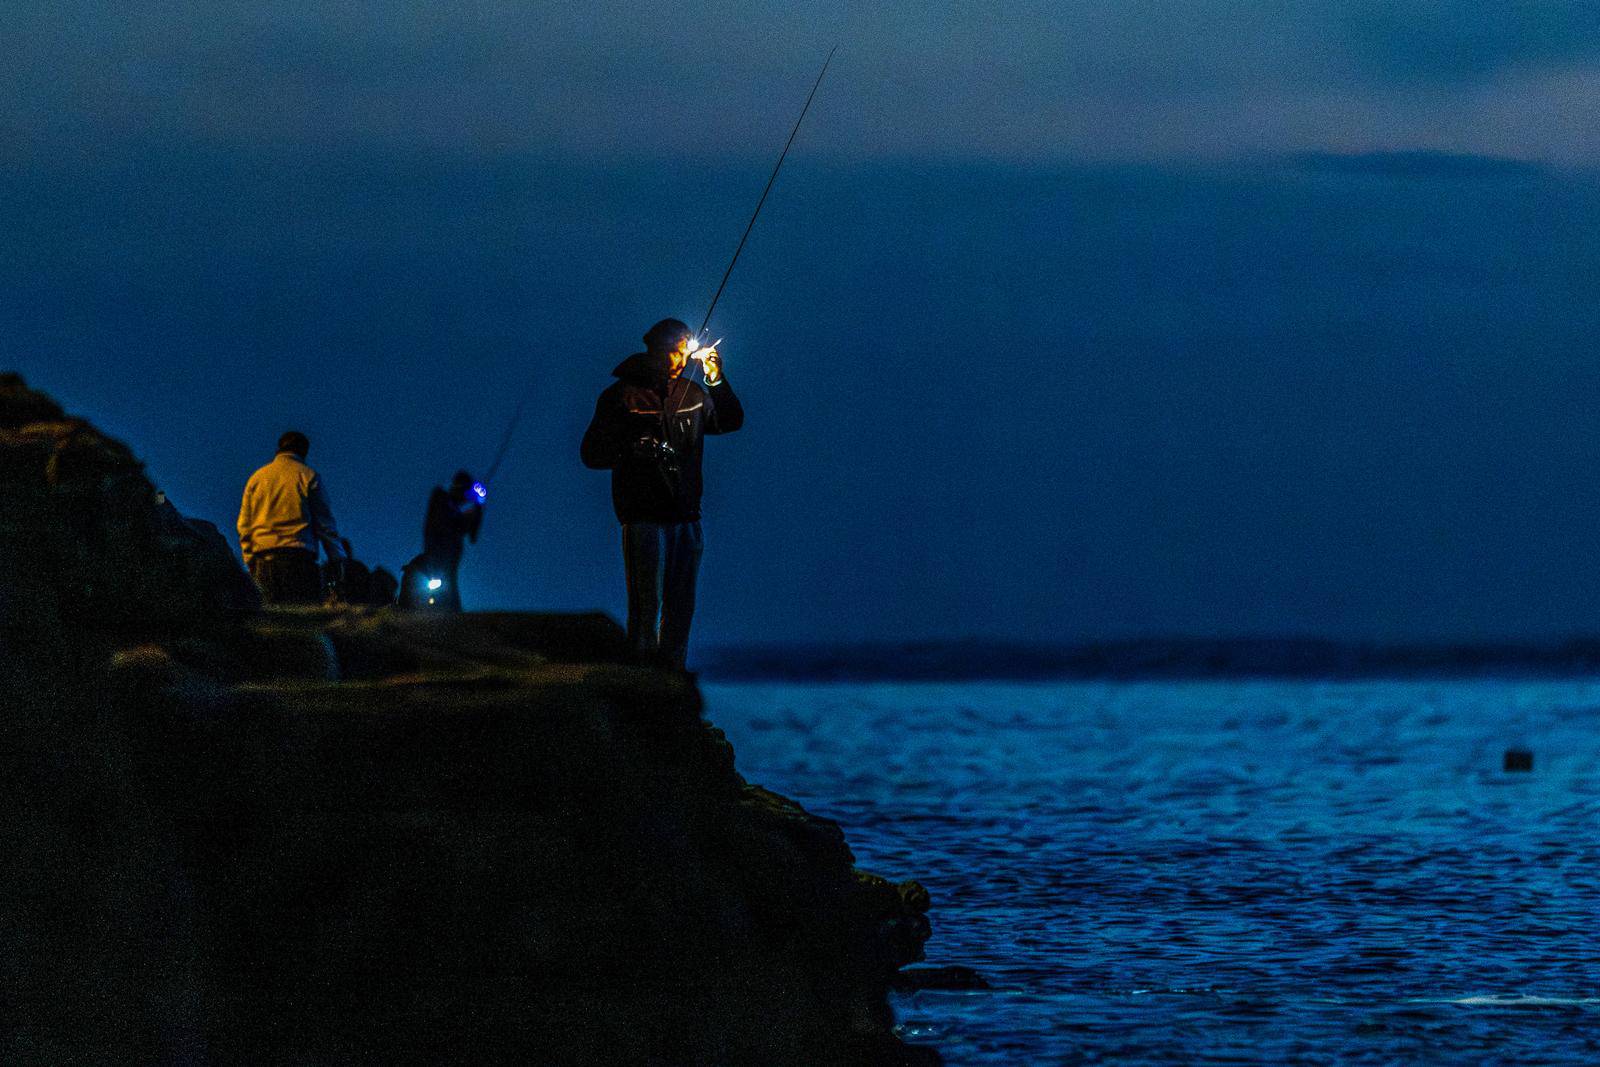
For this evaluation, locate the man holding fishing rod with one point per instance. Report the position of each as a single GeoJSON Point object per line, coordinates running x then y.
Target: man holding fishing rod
{"type": "Point", "coordinates": [648, 430]}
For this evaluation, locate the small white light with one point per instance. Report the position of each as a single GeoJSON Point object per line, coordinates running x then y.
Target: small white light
{"type": "Point", "coordinates": [695, 348]}
{"type": "Point", "coordinates": [435, 583]}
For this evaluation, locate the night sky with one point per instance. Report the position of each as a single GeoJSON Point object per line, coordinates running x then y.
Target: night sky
{"type": "Point", "coordinates": [1065, 320]}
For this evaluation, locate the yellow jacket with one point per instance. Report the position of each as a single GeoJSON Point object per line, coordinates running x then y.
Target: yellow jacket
{"type": "Point", "coordinates": [284, 507]}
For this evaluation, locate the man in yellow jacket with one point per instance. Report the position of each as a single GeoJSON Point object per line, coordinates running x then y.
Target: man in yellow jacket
{"type": "Point", "coordinates": [283, 517]}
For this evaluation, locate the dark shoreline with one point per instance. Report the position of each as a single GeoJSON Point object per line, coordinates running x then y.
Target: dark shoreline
{"type": "Point", "coordinates": [1158, 658]}
{"type": "Point", "coordinates": [353, 834]}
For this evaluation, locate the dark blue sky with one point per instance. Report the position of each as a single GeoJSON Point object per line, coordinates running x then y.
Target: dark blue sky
{"type": "Point", "coordinates": [1057, 326]}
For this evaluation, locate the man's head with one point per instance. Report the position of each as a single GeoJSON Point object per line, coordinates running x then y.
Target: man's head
{"type": "Point", "coordinates": [668, 340]}
{"type": "Point", "coordinates": [296, 442]}
{"type": "Point", "coordinates": [465, 489]}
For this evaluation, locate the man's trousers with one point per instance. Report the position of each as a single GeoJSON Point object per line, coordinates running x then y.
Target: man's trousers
{"type": "Point", "coordinates": [287, 576]}
{"type": "Point", "coordinates": [663, 561]}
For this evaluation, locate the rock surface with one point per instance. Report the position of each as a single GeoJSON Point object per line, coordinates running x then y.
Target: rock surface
{"type": "Point", "coordinates": [339, 836]}
{"type": "Point", "coordinates": [951, 977]}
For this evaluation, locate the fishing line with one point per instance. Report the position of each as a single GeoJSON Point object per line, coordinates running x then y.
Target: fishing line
{"type": "Point", "coordinates": [516, 417]}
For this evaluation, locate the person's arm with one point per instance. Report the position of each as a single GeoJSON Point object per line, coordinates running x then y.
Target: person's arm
{"type": "Point", "coordinates": [474, 522]}
{"type": "Point", "coordinates": [725, 414]}
{"type": "Point", "coordinates": [322, 524]}
{"type": "Point", "coordinates": [246, 546]}
{"type": "Point", "coordinates": [602, 442]}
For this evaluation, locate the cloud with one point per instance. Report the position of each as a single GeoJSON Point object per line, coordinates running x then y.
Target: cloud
{"type": "Point", "coordinates": [1021, 80]}
{"type": "Point", "coordinates": [1467, 41]}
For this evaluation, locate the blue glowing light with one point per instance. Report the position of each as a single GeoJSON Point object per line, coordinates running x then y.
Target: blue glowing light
{"type": "Point", "coordinates": [479, 491]}
{"type": "Point", "coordinates": [434, 583]}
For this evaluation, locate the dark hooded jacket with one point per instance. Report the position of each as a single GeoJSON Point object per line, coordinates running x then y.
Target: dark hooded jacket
{"type": "Point", "coordinates": [644, 488]}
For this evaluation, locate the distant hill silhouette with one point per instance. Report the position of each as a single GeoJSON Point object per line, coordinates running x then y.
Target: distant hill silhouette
{"type": "Point", "coordinates": [1147, 658]}
{"type": "Point", "coordinates": [1415, 164]}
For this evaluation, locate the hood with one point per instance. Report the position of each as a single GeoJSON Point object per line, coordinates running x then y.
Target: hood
{"type": "Point", "coordinates": [640, 369]}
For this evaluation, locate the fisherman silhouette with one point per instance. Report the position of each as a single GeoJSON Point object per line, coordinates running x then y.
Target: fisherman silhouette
{"type": "Point", "coordinates": [454, 516]}
{"type": "Point", "coordinates": [647, 430]}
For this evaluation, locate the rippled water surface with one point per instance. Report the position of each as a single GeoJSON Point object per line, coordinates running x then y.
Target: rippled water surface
{"type": "Point", "coordinates": [1220, 871]}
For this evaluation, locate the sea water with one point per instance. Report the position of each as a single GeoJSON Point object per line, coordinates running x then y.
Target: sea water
{"type": "Point", "coordinates": [1230, 871]}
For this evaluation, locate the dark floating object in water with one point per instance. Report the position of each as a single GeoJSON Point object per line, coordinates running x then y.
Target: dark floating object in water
{"type": "Point", "coordinates": [955, 976]}
{"type": "Point", "coordinates": [1518, 759]}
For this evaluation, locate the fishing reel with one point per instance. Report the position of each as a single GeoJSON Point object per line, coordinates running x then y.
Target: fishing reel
{"type": "Point", "coordinates": [658, 452]}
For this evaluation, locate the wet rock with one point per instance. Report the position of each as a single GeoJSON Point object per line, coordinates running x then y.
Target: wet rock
{"type": "Point", "coordinates": [952, 977]}
{"type": "Point", "coordinates": [914, 896]}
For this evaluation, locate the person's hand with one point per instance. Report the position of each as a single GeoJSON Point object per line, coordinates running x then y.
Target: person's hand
{"type": "Point", "coordinates": [713, 364]}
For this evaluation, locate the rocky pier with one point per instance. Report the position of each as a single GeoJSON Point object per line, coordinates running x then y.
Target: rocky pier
{"type": "Point", "coordinates": [351, 835]}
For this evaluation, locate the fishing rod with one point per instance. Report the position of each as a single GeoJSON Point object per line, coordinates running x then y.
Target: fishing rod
{"type": "Point", "coordinates": [480, 489]}
{"type": "Point", "coordinates": [762, 202]}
